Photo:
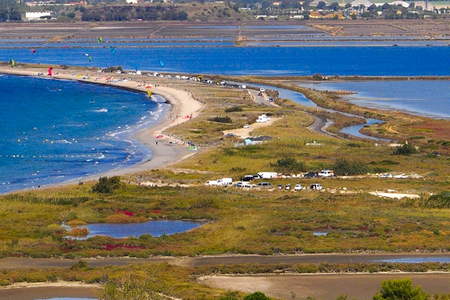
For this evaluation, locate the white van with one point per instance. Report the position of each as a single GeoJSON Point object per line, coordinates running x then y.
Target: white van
{"type": "Point", "coordinates": [220, 182]}
{"type": "Point", "coordinates": [268, 175]}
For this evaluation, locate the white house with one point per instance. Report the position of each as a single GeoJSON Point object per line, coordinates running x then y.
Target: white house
{"type": "Point", "coordinates": [38, 16]}
{"type": "Point", "coordinates": [132, 1]}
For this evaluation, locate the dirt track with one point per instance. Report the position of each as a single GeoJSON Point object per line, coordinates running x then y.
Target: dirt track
{"type": "Point", "coordinates": [324, 287]}
{"type": "Point", "coordinates": [26, 263]}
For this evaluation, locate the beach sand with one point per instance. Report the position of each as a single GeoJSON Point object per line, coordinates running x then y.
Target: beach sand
{"type": "Point", "coordinates": [165, 149]}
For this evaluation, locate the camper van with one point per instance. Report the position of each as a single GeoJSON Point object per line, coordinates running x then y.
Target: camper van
{"type": "Point", "coordinates": [220, 182]}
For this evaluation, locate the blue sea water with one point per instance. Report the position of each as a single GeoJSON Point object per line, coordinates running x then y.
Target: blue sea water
{"type": "Point", "coordinates": [53, 130]}
{"type": "Point", "coordinates": [253, 60]}
{"type": "Point", "coordinates": [153, 228]}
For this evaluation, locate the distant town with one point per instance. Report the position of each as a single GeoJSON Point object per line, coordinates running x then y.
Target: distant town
{"type": "Point", "coordinates": [202, 11]}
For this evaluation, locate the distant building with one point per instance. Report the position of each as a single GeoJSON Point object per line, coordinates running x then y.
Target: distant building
{"type": "Point", "coordinates": [132, 1]}
{"type": "Point", "coordinates": [358, 3]}
{"type": "Point", "coordinates": [38, 16]}
{"type": "Point", "coordinates": [400, 3]}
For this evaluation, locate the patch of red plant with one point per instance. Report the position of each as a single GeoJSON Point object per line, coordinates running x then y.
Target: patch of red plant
{"type": "Point", "coordinates": [156, 211]}
{"type": "Point", "coordinates": [125, 212]}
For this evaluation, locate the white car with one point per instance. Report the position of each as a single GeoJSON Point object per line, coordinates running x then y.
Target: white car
{"type": "Point", "coordinates": [326, 173]}
{"type": "Point", "coordinates": [316, 187]}
{"type": "Point", "coordinates": [298, 187]}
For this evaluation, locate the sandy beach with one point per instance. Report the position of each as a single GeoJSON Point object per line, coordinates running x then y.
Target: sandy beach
{"type": "Point", "coordinates": [165, 149]}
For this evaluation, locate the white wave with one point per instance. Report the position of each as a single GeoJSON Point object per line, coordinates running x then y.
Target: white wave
{"type": "Point", "coordinates": [101, 110]}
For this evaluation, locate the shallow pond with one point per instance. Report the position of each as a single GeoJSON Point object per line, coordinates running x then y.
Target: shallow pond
{"type": "Point", "coordinates": [423, 97]}
{"type": "Point", "coordinates": [153, 228]}
{"type": "Point", "coordinates": [417, 260]}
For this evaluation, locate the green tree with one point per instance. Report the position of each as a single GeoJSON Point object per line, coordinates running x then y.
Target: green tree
{"type": "Point", "coordinates": [106, 185]}
{"type": "Point", "coordinates": [289, 164]}
{"type": "Point", "coordinates": [405, 149]}
{"type": "Point", "coordinates": [256, 296]}
{"type": "Point", "coordinates": [400, 289]}
{"type": "Point", "coordinates": [344, 167]}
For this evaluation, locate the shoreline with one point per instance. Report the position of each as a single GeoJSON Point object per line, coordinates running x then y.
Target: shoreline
{"type": "Point", "coordinates": [165, 151]}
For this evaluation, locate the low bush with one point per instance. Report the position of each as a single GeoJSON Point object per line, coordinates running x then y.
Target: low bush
{"type": "Point", "coordinates": [441, 200]}
{"type": "Point", "coordinates": [233, 109]}
{"type": "Point", "coordinates": [344, 167]}
{"type": "Point", "coordinates": [107, 185]}
{"type": "Point", "coordinates": [289, 164]}
{"type": "Point", "coordinates": [221, 119]}
{"type": "Point", "coordinates": [405, 149]}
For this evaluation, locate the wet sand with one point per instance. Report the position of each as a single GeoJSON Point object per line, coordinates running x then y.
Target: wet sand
{"type": "Point", "coordinates": [325, 287]}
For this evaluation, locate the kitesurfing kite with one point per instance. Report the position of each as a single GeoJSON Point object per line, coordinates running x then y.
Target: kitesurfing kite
{"type": "Point", "coordinates": [89, 57]}
{"type": "Point", "coordinates": [161, 63]}
{"type": "Point", "coordinates": [12, 63]}
{"type": "Point", "coordinates": [33, 51]}
{"type": "Point", "coordinates": [100, 40]}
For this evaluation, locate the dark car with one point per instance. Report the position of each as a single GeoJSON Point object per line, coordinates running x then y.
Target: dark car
{"type": "Point", "coordinates": [264, 184]}
{"type": "Point", "coordinates": [311, 175]}
{"type": "Point", "coordinates": [249, 177]}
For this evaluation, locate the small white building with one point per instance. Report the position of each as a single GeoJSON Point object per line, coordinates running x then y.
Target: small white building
{"type": "Point", "coordinates": [132, 1]}
{"type": "Point", "coordinates": [38, 16]}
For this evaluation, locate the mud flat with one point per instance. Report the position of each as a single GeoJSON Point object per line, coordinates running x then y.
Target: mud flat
{"type": "Point", "coordinates": [325, 287]}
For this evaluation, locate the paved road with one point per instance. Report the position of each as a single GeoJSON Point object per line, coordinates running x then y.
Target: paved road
{"type": "Point", "coordinates": [24, 263]}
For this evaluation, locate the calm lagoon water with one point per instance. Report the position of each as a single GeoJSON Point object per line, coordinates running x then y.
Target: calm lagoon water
{"type": "Point", "coordinates": [253, 60]}
{"type": "Point", "coordinates": [425, 97]}
{"type": "Point", "coordinates": [418, 260]}
{"type": "Point", "coordinates": [54, 130]}
{"type": "Point", "coordinates": [154, 228]}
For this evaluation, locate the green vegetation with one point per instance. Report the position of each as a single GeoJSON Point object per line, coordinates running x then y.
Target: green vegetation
{"type": "Point", "coordinates": [256, 296]}
{"type": "Point", "coordinates": [233, 109]}
{"type": "Point", "coordinates": [400, 289]}
{"type": "Point", "coordinates": [441, 200]}
{"type": "Point", "coordinates": [225, 119]}
{"type": "Point", "coordinates": [106, 185]}
{"type": "Point", "coordinates": [346, 167]}
{"type": "Point", "coordinates": [405, 149]}
{"type": "Point", "coordinates": [289, 165]}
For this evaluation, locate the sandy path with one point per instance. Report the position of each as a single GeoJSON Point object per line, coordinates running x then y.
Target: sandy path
{"type": "Point", "coordinates": [324, 287]}
{"type": "Point", "coordinates": [166, 150]}
{"type": "Point", "coordinates": [246, 131]}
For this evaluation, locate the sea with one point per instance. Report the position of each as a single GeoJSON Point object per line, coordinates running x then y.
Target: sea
{"type": "Point", "coordinates": [58, 130]}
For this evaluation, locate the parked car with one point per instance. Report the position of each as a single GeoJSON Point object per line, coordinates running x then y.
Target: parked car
{"type": "Point", "coordinates": [316, 187]}
{"type": "Point", "coordinates": [298, 187]}
{"type": "Point", "coordinates": [326, 173]}
{"type": "Point", "coordinates": [287, 187]}
{"type": "Point", "coordinates": [265, 185]}
{"type": "Point", "coordinates": [311, 175]}
{"type": "Point", "coordinates": [249, 177]}
{"type": "Point", "coordinates": [280, 186]}
{"type": "Point", "coordinates": [220, 182]}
